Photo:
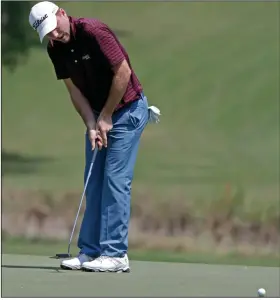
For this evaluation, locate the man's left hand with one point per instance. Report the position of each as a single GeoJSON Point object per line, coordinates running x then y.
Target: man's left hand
{"type": "Point", "coordinates": [103, 126]}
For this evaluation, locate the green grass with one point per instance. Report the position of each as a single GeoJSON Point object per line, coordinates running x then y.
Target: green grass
{"type": "Point", "coordinates": [50, 248]}
{"type": "Point", "coordinates": [212, 69]}
{"type": "Point", "coordinates": [34, 276]}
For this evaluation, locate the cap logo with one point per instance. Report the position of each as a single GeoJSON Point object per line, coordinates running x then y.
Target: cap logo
{"type": "Point", "coordinates": [38, 22]}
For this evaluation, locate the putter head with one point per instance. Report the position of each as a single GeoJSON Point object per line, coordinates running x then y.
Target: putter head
{"type": "Point", "coordinates": [62, 255]}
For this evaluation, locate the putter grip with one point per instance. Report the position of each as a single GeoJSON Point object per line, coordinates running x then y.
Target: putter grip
{"type": "Point", "coordinates": [94, 154]}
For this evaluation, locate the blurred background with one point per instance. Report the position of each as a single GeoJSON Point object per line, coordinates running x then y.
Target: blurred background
{"type": "Point", "coordinates": [206, 184]}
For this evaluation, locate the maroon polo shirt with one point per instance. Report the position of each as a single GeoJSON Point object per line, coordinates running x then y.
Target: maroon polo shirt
{"type": "Point", "coordinates": [88, 59]}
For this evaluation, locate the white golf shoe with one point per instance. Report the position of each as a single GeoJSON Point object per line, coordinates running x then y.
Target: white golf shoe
{"type": "Point", "coordinates": [74, 263]}
{"type": "Point", "coordinates": [107, 264]}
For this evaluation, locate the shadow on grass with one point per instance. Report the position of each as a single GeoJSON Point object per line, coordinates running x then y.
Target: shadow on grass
{"type": "Point", "coordinates": [16, 163]}
{"type": "Point", "coordinates": [31, 267]}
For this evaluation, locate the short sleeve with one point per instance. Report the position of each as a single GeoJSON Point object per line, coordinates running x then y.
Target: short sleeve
{"type": "Point", "coordinates": [59, 67]}
{"type": "Point", "coordinates": [108, 43]}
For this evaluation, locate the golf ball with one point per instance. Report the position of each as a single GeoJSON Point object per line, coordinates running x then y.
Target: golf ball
{"type": "Point", "coordinates": [261, 292]}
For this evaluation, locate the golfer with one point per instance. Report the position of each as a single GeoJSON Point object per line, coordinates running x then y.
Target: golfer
{"type": "Point", "coordinates": [108, 96]}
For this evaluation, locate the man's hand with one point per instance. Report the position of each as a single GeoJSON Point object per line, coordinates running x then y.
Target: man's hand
{"type": "Point", "coordinates": [103, 126]}
{"type": "Point", "coordinates": [95, 139]}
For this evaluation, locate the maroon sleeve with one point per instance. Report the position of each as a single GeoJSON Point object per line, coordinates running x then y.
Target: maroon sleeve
{"type": "Point", "coordinates": [108, 44]}
{"type": "Point", "coordinates": [59, 67]}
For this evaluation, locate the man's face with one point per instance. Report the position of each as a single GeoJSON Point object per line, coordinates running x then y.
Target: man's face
{"type": "Point", "coordinates": [62, 31]}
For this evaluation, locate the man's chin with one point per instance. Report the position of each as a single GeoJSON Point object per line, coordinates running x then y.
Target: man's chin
{"type": "Point", "coordinates": [65, 39]}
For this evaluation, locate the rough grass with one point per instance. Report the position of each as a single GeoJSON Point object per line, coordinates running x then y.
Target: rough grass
{"type": "Point", "coordinates": [212, 68]}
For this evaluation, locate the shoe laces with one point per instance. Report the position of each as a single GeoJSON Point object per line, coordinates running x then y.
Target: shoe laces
{"type": "Point", "coordinates": [102, 258]}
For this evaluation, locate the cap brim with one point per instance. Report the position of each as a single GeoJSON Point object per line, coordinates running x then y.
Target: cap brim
{"type": "Point", "coordinates": [49, 26]}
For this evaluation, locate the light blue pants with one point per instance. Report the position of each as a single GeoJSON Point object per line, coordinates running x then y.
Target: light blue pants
{"type": "Point", "coordinates": [104, 229]}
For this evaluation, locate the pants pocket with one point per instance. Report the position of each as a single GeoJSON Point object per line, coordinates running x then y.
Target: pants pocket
{"type": "Point", "coordinates": [138, 113]}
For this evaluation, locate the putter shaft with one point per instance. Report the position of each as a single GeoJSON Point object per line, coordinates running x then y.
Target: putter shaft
{"type": "Point", "coordinates": [81, 201]}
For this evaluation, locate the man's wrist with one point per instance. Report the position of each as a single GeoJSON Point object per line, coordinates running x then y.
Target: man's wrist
{"type": "Point", "coordinates": [107, 111]}
{"type": "Point", "coordinates": [91, 125]}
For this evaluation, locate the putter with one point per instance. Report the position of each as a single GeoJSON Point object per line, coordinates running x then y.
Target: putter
{"type": "Point", "coordinates": [68, 255]}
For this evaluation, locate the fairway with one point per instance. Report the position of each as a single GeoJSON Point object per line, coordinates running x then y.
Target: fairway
{"type": "Point", "coordinates": [38, 276]}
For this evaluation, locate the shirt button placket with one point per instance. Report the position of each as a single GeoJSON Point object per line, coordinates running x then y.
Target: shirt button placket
{"type": "Point", "coordinates": [72, 50]}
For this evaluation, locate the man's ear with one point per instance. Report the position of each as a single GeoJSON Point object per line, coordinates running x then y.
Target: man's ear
{"type": "Point", "coordinates": [61, 12]}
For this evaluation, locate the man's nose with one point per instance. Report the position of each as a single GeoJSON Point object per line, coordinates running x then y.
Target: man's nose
{"type": "Point", "coordinates": [55, 34]}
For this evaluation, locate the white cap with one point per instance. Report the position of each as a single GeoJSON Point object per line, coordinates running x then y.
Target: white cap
{"type": "Point", "coordinates": [42, 18]}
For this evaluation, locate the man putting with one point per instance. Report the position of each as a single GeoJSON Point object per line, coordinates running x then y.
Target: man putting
{"type": "Point", "coordinates": [108, 96]}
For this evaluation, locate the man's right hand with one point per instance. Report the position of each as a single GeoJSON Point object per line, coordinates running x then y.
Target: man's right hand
{"type": "Point", "coordinates": [95, 139]}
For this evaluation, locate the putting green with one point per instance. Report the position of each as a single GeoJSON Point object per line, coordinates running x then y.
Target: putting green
{"type": "Point", "coordinates": [38, 276]}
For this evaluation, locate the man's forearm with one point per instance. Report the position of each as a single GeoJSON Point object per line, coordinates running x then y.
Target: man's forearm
{"type": "Point", "coordinates": [83, 108]}
{"type": "Point", "coordinates": [118, 88]}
